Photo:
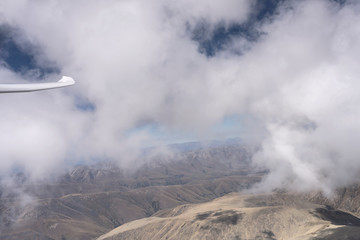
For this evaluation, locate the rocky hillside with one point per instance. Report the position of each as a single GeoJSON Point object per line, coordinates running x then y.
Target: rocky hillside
{"type": "Point", "coordinates": [235, 216]}
{"type": "Point", "coordinates": [88, 201]}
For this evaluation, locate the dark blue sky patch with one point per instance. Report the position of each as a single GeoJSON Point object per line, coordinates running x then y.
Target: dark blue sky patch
{"type": "Point", "coordinates": [21, 57]}
{"type": "Point", "coordinates": [264, 9]}
{"type": "Point", "coordinates": [340, 2]}
{"type": "Point", "coordinates": [84, 104]}
{"type": "Point", "coordinates": [213, 39]}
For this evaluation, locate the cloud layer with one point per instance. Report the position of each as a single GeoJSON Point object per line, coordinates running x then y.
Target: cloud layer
{"type": "Point", "coordinates": [136, 62]}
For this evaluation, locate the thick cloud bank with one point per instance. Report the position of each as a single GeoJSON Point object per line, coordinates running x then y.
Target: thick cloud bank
{"type": "Point", "coordinates": [137, 62]}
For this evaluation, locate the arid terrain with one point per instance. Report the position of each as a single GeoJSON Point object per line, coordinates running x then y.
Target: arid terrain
{"type": "Point", "coordinates": [236, 216]}
{"type": "Point", "coordinates": [193, 193]}
{"type": "Point", "coordinates": [89, 201]}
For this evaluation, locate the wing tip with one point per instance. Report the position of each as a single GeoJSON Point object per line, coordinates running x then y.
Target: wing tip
{"type": "Point", "coordinates": [67, 80]}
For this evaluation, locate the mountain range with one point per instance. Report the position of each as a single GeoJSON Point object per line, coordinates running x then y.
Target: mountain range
{"type": "Point", "coordinates": [193, 193]}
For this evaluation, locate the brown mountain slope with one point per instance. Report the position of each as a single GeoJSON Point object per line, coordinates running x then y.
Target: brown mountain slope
{"type": "Point", "coordinates": [275, 216]}
{"type": "Point", "coordinates": [91, 200]}
{"type": "Point", "coordinates": [346, 198]}
{"type": "Point", "coordinates": [70, 216]}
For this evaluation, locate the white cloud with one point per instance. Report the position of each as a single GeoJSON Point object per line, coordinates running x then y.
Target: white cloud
{"type": "Point", "coordinates": [135, 61]}
{"type": "Point", "coordinates": [317, 80]}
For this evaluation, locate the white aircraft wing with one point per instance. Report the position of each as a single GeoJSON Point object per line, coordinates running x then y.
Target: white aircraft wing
{"type": "Point", "coordinates": [30, 87]}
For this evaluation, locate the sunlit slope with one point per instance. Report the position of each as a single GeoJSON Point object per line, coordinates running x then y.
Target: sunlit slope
{"type": "Point", "coordinates": [234, 216]}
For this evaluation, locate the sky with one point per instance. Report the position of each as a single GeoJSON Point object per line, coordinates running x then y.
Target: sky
{"type": "Point", "coordinates": [281, 73]}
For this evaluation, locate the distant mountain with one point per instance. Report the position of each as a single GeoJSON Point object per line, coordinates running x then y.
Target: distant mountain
{"type": "Point", "coordinates": [189, 146]}
{"type": "Point", "coordinates": [88, 201]}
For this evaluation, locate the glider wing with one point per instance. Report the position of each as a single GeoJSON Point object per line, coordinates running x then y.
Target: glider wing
{"type": "Point", "coordinates": [30, 87]}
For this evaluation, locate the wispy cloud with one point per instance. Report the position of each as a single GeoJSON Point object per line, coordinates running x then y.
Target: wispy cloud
{"type": "Point", "coordinates": [136, 62]}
